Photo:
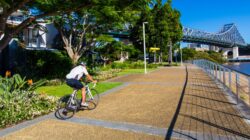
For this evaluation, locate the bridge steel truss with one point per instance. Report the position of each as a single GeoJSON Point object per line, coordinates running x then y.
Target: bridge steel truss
{"type": "Point", "coordinates": [229, 36]}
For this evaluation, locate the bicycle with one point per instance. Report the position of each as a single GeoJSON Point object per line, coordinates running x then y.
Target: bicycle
{"type": "Point", "coordinates": [68, 105]}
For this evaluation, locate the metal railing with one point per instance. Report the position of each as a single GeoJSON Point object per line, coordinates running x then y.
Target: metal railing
{"type": "Point", "coordinates": [237, 82]}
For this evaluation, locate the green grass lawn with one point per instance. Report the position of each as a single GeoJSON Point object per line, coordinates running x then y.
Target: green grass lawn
{"type": "Point", "coordinates": [62, 90]}
{"type": "Point", "coordinates": [134, 71]}
{"type": "Point", "coordinates": [101, 87]}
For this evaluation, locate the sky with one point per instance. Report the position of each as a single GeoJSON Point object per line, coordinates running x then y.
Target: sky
{"type": "Point", "coordinates": [211, 15]}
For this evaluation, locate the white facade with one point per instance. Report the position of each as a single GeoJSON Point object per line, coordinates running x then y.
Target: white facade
{"type": "Point", "coordinates": [198, 47]}
{"type": "Point", "coordinates": [37, 38]}
{"type": "Point", "coordinates": [34, 36]}
{"type": "Point", "coordinates": [214, 48]}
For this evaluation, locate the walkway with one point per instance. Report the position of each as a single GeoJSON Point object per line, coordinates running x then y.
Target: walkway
{"type": "Point", "coordinates": [164, 104]}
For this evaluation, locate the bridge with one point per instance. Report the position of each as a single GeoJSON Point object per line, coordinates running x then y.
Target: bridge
{"type": "Point", "coordinates": [228, 38]}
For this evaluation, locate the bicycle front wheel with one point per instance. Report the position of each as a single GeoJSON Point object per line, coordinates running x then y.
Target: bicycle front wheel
{"type": "Point", "coordinates": [65, 109]}
{"type": "Point", "coordinates": [92, 99]}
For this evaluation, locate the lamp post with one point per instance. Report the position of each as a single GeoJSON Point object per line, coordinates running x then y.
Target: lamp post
{"type": "Point", "coordinates": [144, 47]}
{"type": "Point", "coordinates": [181, 55]}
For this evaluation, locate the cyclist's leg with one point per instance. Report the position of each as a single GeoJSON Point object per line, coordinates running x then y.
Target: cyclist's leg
{"type": "Point", "coordinates": [83, 95]}
{"type": "Point", "coordinates": [78, 85]}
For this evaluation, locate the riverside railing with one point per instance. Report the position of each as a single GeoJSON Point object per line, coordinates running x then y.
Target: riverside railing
{"type": "Point", "coordinates": [237, 82]}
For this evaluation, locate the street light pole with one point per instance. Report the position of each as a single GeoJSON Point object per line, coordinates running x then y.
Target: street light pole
{"type": "Point", "coordinates": [181, 55]}
{"type": "Point", "coordinates": [144, 47]}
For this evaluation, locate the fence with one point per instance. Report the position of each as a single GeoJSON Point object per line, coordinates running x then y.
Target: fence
{"type": "Point", "coordinates": [237, 82]}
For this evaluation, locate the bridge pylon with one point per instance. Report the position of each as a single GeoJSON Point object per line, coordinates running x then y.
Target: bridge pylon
{"type": "Point", "coordinates": [235, 52]}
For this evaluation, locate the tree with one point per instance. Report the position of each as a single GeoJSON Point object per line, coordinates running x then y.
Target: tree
{"type": "Point", "coordinates": [46, 8]}
{"type": "Point", "coordinates": [115, 50]}
{"type": "Point", "coordinates": [80, 30]}
{"type": "Point", "coordinates": [169, 27]}
{"type": "Point", "coordinates": [188, 54]}
{"type": "Point", "coordinates": [164, 28]}
{"type": "Point", "coordinates": [77, 32]}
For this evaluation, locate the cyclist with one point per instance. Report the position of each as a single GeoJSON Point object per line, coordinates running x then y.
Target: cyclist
{"type": "Point", "coordinates": [73, 80]}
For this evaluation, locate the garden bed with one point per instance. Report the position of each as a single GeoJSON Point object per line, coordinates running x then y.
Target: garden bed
{"type": "Point", "coordinates": [19, 102]}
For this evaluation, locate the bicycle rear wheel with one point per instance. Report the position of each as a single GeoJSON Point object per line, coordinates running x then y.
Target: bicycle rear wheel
{"type": "Point", "coordinates": [65, 109]}
{"type": "Point", "coordinates": [94, 100]}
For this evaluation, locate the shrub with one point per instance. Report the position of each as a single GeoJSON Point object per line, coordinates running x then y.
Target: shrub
{"type": "Point", "coordinates": [45, 64]}
{"type": "Point", "coordinates": [19, 102]}
{"type": "Point", "coordinates": [132, 65]}
{"type": "Point", "coordinates": [23, 105]}
{"type": "Point", "coordinates": [190, 54]}
{"type": "Point", "coordinates": [107, 74]}
{"type": "Point", "coordinates": [55, 82]}
{"type": "Point", "coordinates": [16, 83]}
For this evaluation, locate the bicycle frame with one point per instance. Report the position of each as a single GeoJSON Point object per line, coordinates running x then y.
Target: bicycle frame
{"type": "Point", "coordinates": [70, 104]}
{"type": "Point", "coordinates": [73, 98]}
{"type": "Point", "coordinates": [89, 92]}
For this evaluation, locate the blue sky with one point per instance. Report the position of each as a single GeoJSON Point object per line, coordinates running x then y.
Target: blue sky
{"type": "Point", "coordinates": [211, 15]}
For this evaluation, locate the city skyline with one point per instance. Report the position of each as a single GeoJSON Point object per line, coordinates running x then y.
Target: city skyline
{"type": "Point", "coordinates": [210, 16]}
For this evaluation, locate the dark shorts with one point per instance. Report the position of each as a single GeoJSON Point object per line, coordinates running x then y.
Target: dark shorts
{"type": "Point", "coordinates": [74, 83]}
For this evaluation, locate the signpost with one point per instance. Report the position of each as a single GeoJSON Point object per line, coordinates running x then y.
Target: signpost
{"type": "Point", "coordinates": [152, 49]}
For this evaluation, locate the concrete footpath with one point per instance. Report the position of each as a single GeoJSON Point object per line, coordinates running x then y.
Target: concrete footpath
{"type": "Point", "coordinates": [169, 103]}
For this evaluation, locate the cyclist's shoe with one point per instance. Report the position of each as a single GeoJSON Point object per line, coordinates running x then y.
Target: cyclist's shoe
{"type": "Point", "coordinates": [84, 104]}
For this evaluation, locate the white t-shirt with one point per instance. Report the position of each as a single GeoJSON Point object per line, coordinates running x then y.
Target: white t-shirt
{"type": "Point", "coordinates": [77, 72]}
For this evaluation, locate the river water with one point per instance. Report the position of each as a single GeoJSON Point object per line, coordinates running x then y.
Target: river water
{"type": "Point", "coordinates": [243, 67]}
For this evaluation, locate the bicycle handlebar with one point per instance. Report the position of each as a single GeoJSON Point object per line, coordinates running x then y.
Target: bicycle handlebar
{"type": "Point", "coordinates": [94, 85]}
{"type": "Point", "coordinates": [91, 82]}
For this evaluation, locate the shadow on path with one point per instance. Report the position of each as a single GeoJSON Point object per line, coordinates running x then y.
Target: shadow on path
{"type": "Point", "coordinates": [171, 127]}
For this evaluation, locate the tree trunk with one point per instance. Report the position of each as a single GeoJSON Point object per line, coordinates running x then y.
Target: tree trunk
{"type": "Point", "coordinates": [170, 57]}
{"type": "Point", "coordinates": [160, 57]}
{"type": "Point", "coordinates": [74, 56]}
{"type": "Point", "coordinates": [5, 41]}
{"type": "Point", "coordinates": [2, 25]}
{"type": "Point", "coordinates": [75, 59]}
